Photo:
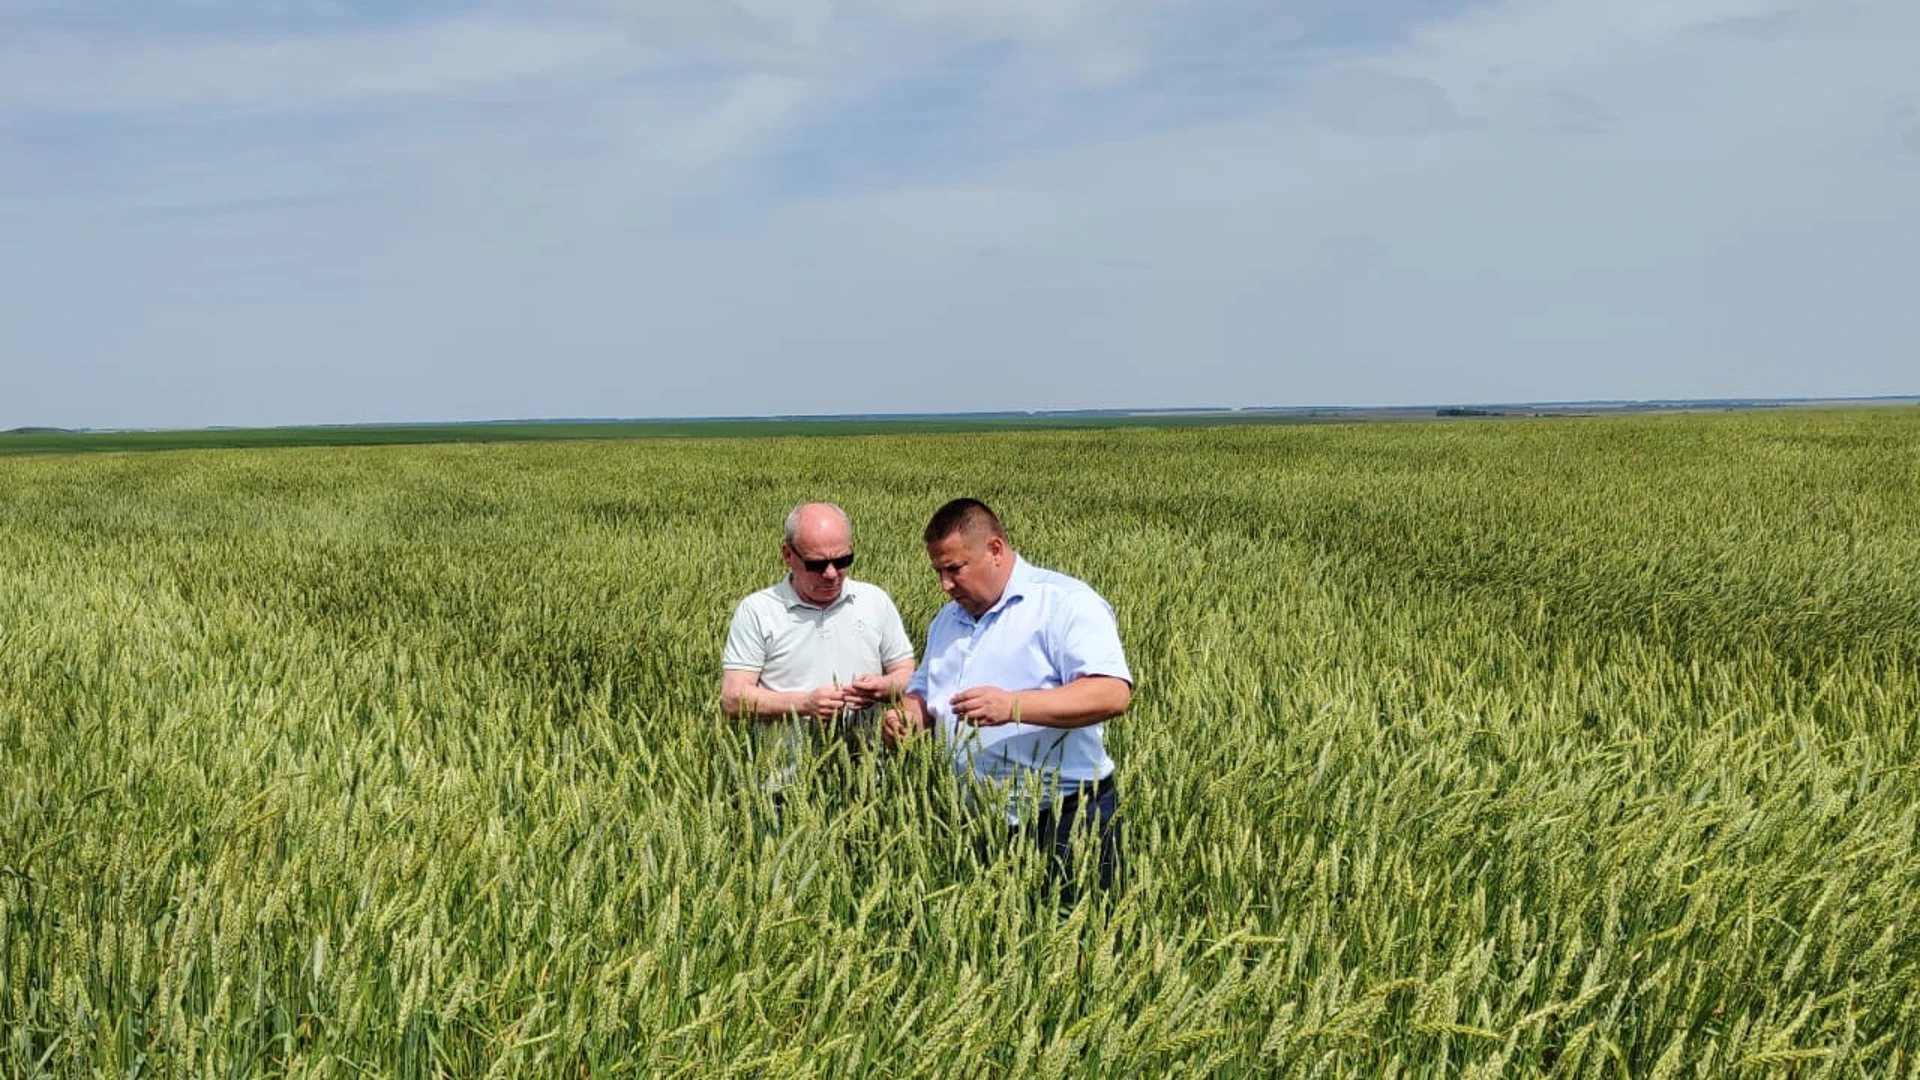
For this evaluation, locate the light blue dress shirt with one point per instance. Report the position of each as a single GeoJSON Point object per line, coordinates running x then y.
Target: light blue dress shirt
{"type": "Point", "coordinates": [1047, 630]}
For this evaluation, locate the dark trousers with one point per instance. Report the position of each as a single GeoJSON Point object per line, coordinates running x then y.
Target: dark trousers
{"type": "Point", "coordinates": [1088, 817]}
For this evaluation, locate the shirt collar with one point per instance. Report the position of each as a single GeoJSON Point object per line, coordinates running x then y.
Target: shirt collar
{"type": "Point", "coordinates": [1017, 584]}
{"type": "Point", "coordinates": [791, 599]}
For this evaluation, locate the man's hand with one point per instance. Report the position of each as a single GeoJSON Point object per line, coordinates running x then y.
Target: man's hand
{"type": "Point", "coordinates": [826, 702]}
{"type": "Point", "coordinates": [868, 690]}
{"type": "Point", "coordinates": [986, 706]}
{"type": "Point", "coordinates": [901, 722]}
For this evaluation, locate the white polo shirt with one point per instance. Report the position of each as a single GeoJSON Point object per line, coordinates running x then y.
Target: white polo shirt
{"type": "Point", "coordinates": [1046, 630]}
{"type": "Point", "coordinates": [797, 646]}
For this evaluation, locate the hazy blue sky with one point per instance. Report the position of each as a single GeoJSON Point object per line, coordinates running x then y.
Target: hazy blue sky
{"type": "Point", "coordinates": [284, 211]}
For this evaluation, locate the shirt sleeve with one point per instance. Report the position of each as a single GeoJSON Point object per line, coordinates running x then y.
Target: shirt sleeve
{"type": "Point", "coordinates": [894, 645]}
{"type": "Point", "coordinates": [918, 683]}
{"type": "Point", "coordinates": [1084, 638]}
{"type": "Point", "coordinates": [746, 648]}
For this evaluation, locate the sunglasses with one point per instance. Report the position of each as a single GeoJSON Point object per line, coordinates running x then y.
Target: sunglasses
{"type": "Point", "coordinates": [819, 566]}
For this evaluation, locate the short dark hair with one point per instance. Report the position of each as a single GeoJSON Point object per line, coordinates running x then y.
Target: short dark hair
{"type": "Point", "coordinates": [970, 516]}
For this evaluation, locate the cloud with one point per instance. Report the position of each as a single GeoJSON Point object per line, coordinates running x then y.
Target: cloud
{"type": "Point", "coordinates": [226, 75]}
{"type": "Point", "coordinates": [1566, 112]}
{"type": "Point", "coordinates": [1358, 101]}
{"type": "Point", "coordinates": [1904, 119]}
{"type": "Point", "coordinates": [1764, 26]}
{"type": "Point", "coordinates": [717, 32]}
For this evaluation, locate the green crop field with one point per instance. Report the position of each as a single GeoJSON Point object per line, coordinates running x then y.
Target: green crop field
{"type": "Point", "coordinates": [1536, 747]}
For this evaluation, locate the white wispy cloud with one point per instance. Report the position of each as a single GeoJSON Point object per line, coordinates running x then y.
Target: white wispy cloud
{"type": "Point", "coordinates": [63, 73]}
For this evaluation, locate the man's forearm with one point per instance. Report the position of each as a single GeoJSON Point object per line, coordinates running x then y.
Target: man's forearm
{"type": "Point", "coordinates": [898, 677]}
{"type": "Point", "coordinates": [914, 707]}
{"type": "Point", "coordinates": [1080, 703]}
{"type": "Point", "coordinates": [903, 720]}
{"type": "Point", "coordinates": [760, 703]}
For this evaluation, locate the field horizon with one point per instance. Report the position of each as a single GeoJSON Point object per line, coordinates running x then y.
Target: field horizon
{"type": "Point", "coordinates": [31, 439]}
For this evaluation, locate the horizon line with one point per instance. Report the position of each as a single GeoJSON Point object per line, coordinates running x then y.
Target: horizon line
{"type": "Point", "coordinates": [986, 414]}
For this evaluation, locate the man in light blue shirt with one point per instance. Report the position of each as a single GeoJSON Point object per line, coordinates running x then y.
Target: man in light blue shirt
{"type": "Point", "coordinates": [1022, 671]}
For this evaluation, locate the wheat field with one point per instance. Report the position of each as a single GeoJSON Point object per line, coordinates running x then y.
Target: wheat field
{"type": "Point", "coordinates": [1570, 747]}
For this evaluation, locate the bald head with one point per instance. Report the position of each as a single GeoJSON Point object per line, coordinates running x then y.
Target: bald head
{"type": "Point", "coordinates": [824, 523]}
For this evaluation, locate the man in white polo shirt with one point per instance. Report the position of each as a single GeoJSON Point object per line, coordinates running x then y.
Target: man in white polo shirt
{"type": "Point", "coordinates": [1022, 671]}
{"type": "Point", "coordinates": [809, 658]}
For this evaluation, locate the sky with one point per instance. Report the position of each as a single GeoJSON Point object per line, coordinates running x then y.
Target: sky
{"type": "Point", "coordinates": [264, 212]}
